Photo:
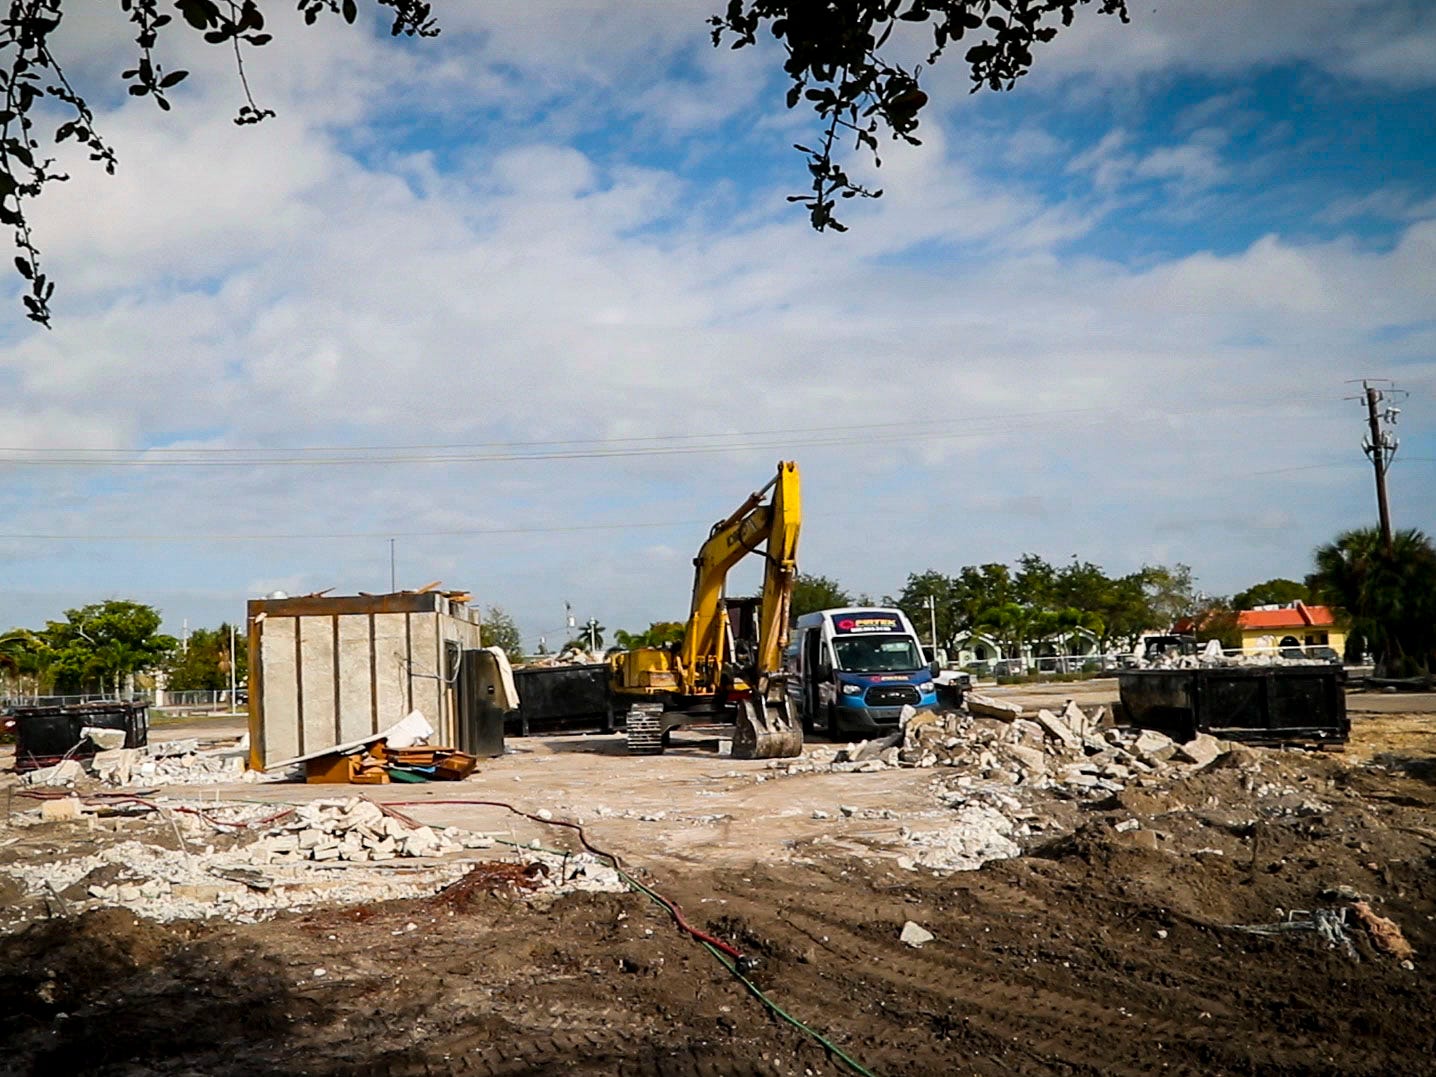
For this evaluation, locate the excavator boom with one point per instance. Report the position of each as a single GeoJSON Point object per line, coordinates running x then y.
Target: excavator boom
{"type": "Point", "coordinates": [768, 520]}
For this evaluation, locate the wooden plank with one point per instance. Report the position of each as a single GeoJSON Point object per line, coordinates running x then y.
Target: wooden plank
{"type": "Point", "coordinates": [346, 604]}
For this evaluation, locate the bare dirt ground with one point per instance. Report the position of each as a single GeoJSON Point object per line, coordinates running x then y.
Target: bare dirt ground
{"type": "Point", "coordinates": [1099, 951]}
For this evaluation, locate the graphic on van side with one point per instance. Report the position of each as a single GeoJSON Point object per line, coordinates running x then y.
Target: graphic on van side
{"type": "Point", "coordinates": [866, 621]}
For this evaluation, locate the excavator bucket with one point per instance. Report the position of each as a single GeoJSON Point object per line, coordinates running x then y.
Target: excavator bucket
{"type": "Point", "coordinates": [766, 730]}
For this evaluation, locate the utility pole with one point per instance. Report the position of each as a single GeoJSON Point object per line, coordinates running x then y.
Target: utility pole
{"type": "Point", "coordinates": [393, 585]}
{"type": "Point", "coordinates": [592, 639]}
{"type": "Point", "coordinates": [1380, 445]}
{"type": "Point", "coordinates": [932, 621]}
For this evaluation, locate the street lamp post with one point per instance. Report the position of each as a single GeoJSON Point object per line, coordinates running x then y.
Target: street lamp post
{"type": "Point", "coordinates": [231, 670]}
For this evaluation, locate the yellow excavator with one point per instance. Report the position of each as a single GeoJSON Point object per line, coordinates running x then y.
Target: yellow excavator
{"type": "Point", "coordinates": [731, 654]}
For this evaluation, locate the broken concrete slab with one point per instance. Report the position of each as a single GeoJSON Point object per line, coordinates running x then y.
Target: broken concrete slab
{"type": "Point", "coordinates": [65, 772]}
{"type": "Point", "coordinates": [115, 766]}
{"type": "Point", "coordinates": [1157, 745]}
{"type": "Point", "coordinates": [1202, 750]}
{"type": "Point", "coordinates": [915, 934]}
{"type": "Point", "coordinates": [168, 749]}
{"type": "Point", "coordinates": [1032, 759]}
{"type": "Point", "coordinates": [60, 809]}
{"type": "Point", "coordinates": [103, 738]}
{"type": "Point", "coordinates": [1059, 729]}
{"type": "Point", "coordinates": [988, 707]}
{"type": "Point", "coordinates": [872, 749]}
{"type": "Point", "coordinates": [1078, 720]}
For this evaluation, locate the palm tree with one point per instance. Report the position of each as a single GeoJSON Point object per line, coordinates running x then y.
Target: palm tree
{"type": "Point", "coordinates": [1390, 597]}
{"type": "Point", "coordinates": [1009, 624]}
{"type": "Point", "coordinates": [23, 654]}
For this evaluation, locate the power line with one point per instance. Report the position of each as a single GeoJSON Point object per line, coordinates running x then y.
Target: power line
{"type": "Point", "coordinates": [837, 433]}
{"type": "Point", "coordinates": [906, 425]}
{"type": "Point", "coordinates": [858, 436]}
{"type": "Point", "coordinates": [299, 537]}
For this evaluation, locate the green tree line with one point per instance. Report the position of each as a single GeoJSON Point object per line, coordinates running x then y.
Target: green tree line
{"type": "Point", "coordinates": [93, 649]}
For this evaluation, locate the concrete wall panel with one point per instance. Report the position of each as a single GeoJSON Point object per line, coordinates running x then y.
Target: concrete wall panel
{"type": "Point", "coordinates": [281, 700]}
{"type": "Point", "coordinates": [391, 681]}
{"type": "Point", "coordinates": [316, 682]}
{"type": "Point", "coordinates": [356, 695]}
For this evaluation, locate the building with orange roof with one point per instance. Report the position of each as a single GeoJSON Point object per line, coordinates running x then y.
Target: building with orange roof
{"type": "Point", "coordinates": [1296, 625]}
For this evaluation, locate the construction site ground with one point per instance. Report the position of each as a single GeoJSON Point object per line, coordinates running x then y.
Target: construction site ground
{"type": "Point", "coordinates": [1106, 948]}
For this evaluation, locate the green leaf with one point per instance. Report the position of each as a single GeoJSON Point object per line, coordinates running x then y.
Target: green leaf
{"type": "Point", "coordinates": [351, 11]}
{"type": "Point", "coordinates": [24, 268]}
{"type": "Point", "coordinates": [174, 78]}
{"type": "Point", "coordinates": [200, 14]}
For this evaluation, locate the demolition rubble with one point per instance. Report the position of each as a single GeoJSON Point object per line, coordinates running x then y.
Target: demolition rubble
{"type": "Point", "coordinates": [1069, 754]}
{"type": "Point", "coordinates": [1212, 656]}
{"type": "Point", "coordinates": [179, 762]}
{"type": "Point", "coordinates": [246, 862]}
{"type": "Point", "coordinates": [1012, 772]}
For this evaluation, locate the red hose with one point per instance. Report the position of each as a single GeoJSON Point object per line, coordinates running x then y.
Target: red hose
{"type": "Point", "coordinates": [55, 794]}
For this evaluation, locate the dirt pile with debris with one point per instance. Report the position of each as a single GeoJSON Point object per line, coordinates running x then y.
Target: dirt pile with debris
{"type": "Point", "coordinates": [247, 862]}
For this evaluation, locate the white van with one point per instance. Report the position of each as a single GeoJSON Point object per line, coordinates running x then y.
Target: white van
{"type": "Point", "coordinates": [855, 668]}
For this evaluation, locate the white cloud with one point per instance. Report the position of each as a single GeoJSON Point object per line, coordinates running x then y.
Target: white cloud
{"type": "Point", "coordinates": [241, 288]}
{"type": "Point", "coordinates": [1387, 42]}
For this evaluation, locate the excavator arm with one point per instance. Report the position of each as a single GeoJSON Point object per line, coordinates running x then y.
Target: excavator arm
{"type": "Point", "coordinates": [768, 520]}
{"type": "Point", "coordinates": [761, 521]}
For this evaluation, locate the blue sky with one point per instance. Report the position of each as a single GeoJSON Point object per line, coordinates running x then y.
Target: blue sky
{"type": "Point", "coordinates": [1112, 314]}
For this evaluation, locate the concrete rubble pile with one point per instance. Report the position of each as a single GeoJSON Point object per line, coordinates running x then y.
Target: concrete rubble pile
{"type": "Point", "coordinates": [1070, 754]}
{"type": "Point", "coordinates": [1213, 658]}
{"type": "Point", "coordinates": [321, 853]}
{"type": "Point", "coordinates": [569, 656]}
{"type": "Point", "coordinates": [181, 762]}
{"type": "Point", "coordinates": [1010, 769]}
{"type": "Point", "coordinates": [356, 831]}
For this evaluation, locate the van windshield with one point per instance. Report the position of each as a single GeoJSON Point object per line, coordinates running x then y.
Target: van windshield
{"type": "Point", "coordinates": [877, 654]}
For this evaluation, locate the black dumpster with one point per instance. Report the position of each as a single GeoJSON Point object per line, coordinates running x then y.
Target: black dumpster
{"type": "Point", "coordinates": [46, 734]}
{"type": "Point", "coordinates": [563, 698]}
{"type": "Point", "coordinates": [1256, 704]}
